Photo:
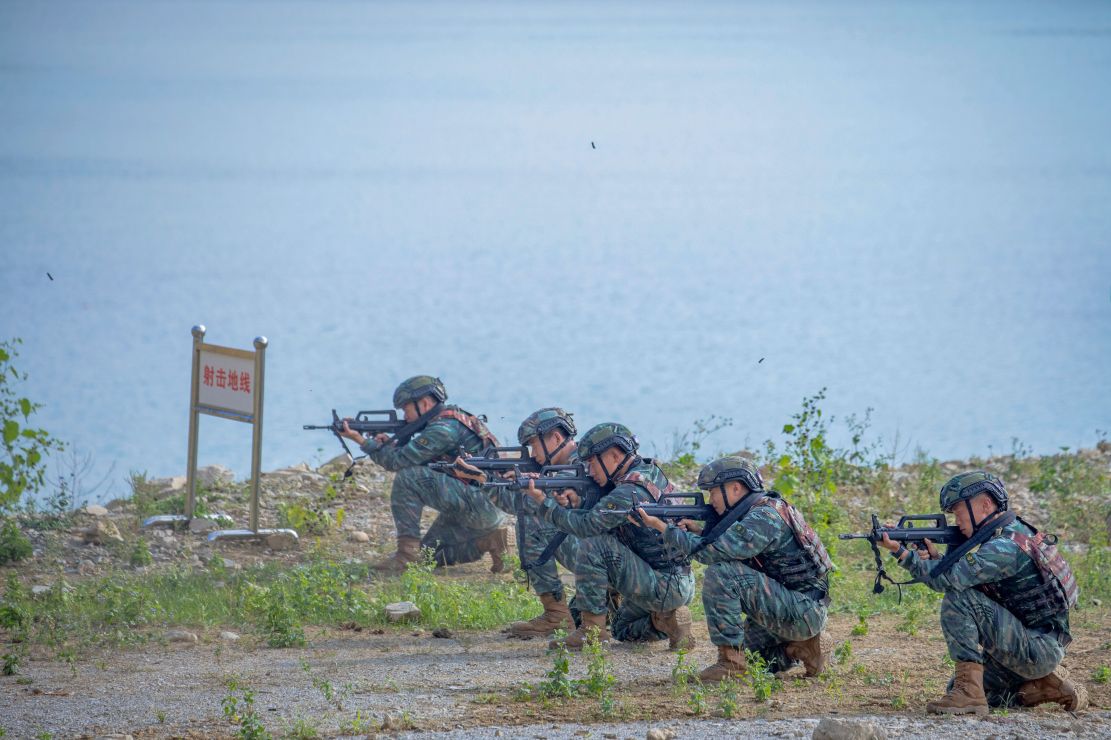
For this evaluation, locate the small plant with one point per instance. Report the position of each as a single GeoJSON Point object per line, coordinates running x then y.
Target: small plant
{"type": "Point", "coordinates": [23, 448]}
{"type": "Point", "coordinates": [683, 673]}
{"type": "Point", "coordinates": [277, 620]}
{"type": "Point", "coordinates": [11, 663]}
{"type": "Point", "coordinates": [140, 554]}
{"type": "Point", "coordinates": [599, 680]}
{"type": "Point", "coordinates": [14, 545]}
{"type": "Point", "coordinates": [843, 653]}
{"type": "Point", "coordinates": [911, 617]}
{"type": "Point", "coordinates": [763, 683]}
{"type": "Point", "coordinates": [357, 725]}
{"type": "Point", "coordinates": [239, 708]}
{"type": "Point", "coordinates": [558, 684]}
{"type": "Point", "coordinates": [160, 715]}
{"type": "Point", "coordinates": [1102, 674]}
{"type": "Point", "coordinates": [860, 629]}
{"type": "Point", "coordinates": [303, 729]}
{"type": "Point", "coordinates": [726, 692]}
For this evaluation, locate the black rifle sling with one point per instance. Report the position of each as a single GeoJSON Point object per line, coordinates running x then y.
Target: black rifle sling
{"type": "Point", "coordinates": [980, 536]}
{"type": "Point", "coordinates": [589, 502]}
{"type": "Point", "coordinates": [731, 517]}
{"type": "Point", "coordinates": [410, 430]}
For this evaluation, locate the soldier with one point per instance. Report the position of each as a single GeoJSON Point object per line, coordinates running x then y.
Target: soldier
{"type": "Point", "coordinates": [764, 562]}
{"type": "Point", "coordinates": [468, 525]}
{"type": "Point", "coordinates": [655, 584]}
{"type": "Point", "coordinates": [1005, 614]}
{"type": "Point", "coordinates": [550, 436]}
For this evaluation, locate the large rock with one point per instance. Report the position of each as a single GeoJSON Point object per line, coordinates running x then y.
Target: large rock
{"type": "Point", "coordinates": [180, 636]}
{"type": "Point", "coordinates": [848, 729]}
{"type": "Point", "coordinates": [211, 476]}
{"type": "Point", "coordinates": [660, 733]}
{"type": "Point", "coordinates": [359, 537]}
{"type": "Point", "coordinates": [281, 541]}
{"type": "Point", "coordinates": [402, 611]}
{"type": "Point", "coordinates": [198, 525]}
{"type": "Point", "coordinates": [336, 466]}
{"type": "Point", "coordinates": [96, 510]}
{"type": "Point", "coordinates": [101, 531]}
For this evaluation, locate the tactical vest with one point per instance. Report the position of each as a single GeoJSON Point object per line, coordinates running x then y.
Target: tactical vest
{"type": "Point", "coordinates": [645, 541]}
{"type": "Point", "coordinates": [803, 562]}
{"type": "Point", "coordinates": [485, 437]}
{"type": "Point", "coordinates": [1043, 589]}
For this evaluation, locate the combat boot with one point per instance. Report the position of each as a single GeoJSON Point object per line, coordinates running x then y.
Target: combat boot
{"type": "Point", "coordinates": [810, 653]}
{"type": "Point", "coordinates": [496, 543]}
{"type": "Point", "coordinates": [731, 664]}
{"type": "Point", "coordinates": [408, 551]}
{"type": "Point", "coordinates": [1057, 688]}
{"type": "Point", "coordinates": [676, 624]}
{"type": "Point", "coordinates": [966, 695]}
{"type": "Point", "coordinates": [577, 639]}
{"type": "Point", "coordinates": [556, 616]}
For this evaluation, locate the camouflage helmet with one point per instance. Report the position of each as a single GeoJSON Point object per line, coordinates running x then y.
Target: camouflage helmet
{"type": "Point", "coordinates": [416, 387]}
{"type": "Point", "coordinates": [601, 437]}
{"type": "Point", "coordinates": [729, 468]}
{"type": "Point", "coordinates": [966, 486]}
{"type": "Point", "coordinates": [544, 421]}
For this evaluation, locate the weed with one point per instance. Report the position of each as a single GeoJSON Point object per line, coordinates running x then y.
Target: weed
{"type": "Point", "coordinates": [861, 627]}
{"type": "Point", "coordinates": [160, 715]}
{"type": "Point", "coordinates": [140, 554]}
{"type": "Point", "coordinates": [843, 652]}
{"type": "Point", "coordinates": [302, 728]}
{"type": "Point", "coordinates": [1102, 674]}
{"type": "Point", "coordinates": [11, 663]}
{"type": "Point", "coordinates": [14, 545]}
{"type": "Point", "coordinates": [726, 692]}
{"type": "Point", "coordinates": [763, 683]}
{"type": "Point", "coordinates": [357, 725]}
{"type": "Point", "coordinates": [239, 708]}
{"type": "Point", "coordinates": [557, 683]}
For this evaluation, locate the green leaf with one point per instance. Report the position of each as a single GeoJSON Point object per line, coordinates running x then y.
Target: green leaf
{"type": "Point", "coordinates": [11, 431]}
{"type": "Point", "coordinates": [26, 407]}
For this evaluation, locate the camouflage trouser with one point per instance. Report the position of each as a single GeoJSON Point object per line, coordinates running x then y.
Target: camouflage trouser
{"type": "Point", "coordinates": [534, 534]}
{"type": "Point", "coordinates": [775, 615]}
{"type": "Point", "coordinates": [466, 514]}
{"type": "Point", "coordinates": [1012, 653]}
{"type": "Point", "coordinates": [604, 562]}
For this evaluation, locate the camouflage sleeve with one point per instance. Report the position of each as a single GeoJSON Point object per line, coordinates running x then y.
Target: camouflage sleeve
{"type": "Point", "coordinates": [747, 538]}
{"type": "Point", "coordinates": [505, 499]}
{"type": "Point", "coordinates": [591, 522]}
{"type": "Point", "coordinates": [993, 561]}
{"type": "Point", "coordinates": [439, 438]}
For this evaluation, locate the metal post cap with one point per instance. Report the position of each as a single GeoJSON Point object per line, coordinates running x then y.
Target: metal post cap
{"type": "Point", "coordinates": [198, 331]}
{"type": "Point", "coordinates": [261, 342]}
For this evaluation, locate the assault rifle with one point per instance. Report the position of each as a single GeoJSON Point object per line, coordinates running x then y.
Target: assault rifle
{"type": "Point", "coordinates": [913, 528]}
{"type": "Point", "coordinates": [494, 460]}
{"type": "Point", "coordinates": [370, 423]}
{"type": "Point", "coordinates": [663, 509]}
{"type": "Point", "coordinates": [549, 478]}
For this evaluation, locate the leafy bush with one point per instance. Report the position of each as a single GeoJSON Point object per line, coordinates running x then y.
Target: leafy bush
{"type": "Point", "coordinates": [14, 546]}
{"type": "Point", "coordinates": [22, 465]}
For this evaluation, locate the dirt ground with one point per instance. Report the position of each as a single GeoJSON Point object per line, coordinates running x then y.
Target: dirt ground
{"type": "Point", "coordinates": [413, 681]}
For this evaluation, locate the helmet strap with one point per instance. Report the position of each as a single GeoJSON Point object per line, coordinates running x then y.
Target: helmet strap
{"type": "Point", "coordinates": [549, 454]}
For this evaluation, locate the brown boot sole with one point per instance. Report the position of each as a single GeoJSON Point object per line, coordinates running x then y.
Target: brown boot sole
{"type": "Point", "coordinates": [979, 711]}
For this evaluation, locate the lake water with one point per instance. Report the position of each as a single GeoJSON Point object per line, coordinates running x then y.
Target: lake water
{"type": "Point", "coordinates": [615, 207]}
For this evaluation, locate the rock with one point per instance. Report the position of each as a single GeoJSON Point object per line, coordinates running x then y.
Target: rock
{"type": "Point", "coordinates": [359, 537]}
{"type": "Point", "coordinates": [848, 729]}
{"type": "Point", "coordinates": [180, 636]}
{"type": "Point", "coordinates": [281, 541]}
{"type": "Point", "coordinates": [40, 590]}
{"type": "Point", "coordinates": [86, 567]}
{"type": "Point", "coordinates": [660, 733]}
{"type": "Point", "coordinates": [336, 466]}
{"type": "Point", "coordinates": [402, 611]}
{"type": "Point", "coordinates": [443, 633]}
{"type": "Point", "coordinates": [198, 525]}
{"type": "Point", "coordinates": [114, 737]}
{"type": "Point", "coordinates": [229, 636]}
{"type": "Point", "coordinates": [102, 530]}
{"type": "Point", "coordinates": [211, 476]}
{"type": "Point", "coordinates": [96, 510]}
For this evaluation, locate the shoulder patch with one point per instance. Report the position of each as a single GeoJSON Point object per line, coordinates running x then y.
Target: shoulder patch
{"type": "Point", "coordinates": [969, 557]}
{"type": "Point", "coordinates": [422, 441]}
{"type": "Point", "coordinates": [611, 504]}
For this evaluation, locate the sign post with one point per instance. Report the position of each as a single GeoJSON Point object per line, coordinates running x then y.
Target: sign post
{"type": "Point", "coordinates": [227, 383]}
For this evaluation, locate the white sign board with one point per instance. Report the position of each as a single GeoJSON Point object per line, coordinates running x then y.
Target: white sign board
{"type": "Point", "coordinates": [227, 380]}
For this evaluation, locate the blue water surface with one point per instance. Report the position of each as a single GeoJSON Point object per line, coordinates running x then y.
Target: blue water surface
{"type": "Point", "coordinates": [618, 207]}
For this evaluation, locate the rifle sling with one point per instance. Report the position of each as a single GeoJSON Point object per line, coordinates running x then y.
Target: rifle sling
{"type": "Point", "coordinates": [979, 537]}
{"type": "Point", "coordinates": [549, 552]}
{"type": "Point", "coordinates": [731, 517]}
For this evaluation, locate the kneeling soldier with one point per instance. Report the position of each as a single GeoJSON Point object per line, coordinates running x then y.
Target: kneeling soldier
{"type": "Point", "coordinates": [549, 435]}
{"type": "Point", "coordinates": [468, 524]}
{"type": "Point", "coordinates": [1005, 615]}
{"type": "Point", "coordinates": [765, 563]}
{"type": "Point", "coordinates": [654, 582]}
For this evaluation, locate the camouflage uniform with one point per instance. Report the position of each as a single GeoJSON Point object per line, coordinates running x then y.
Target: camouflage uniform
{"type": "Point", "coordinates": [979, 629]}
{"type": "Point", "coordinates": [533, 536]}
{"type": "Point", "coordinates": [466, 514]}
{"type": "Point", "coordinates": [631, 559]}
{"type": "Point", "coordinates": [775, 614]}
